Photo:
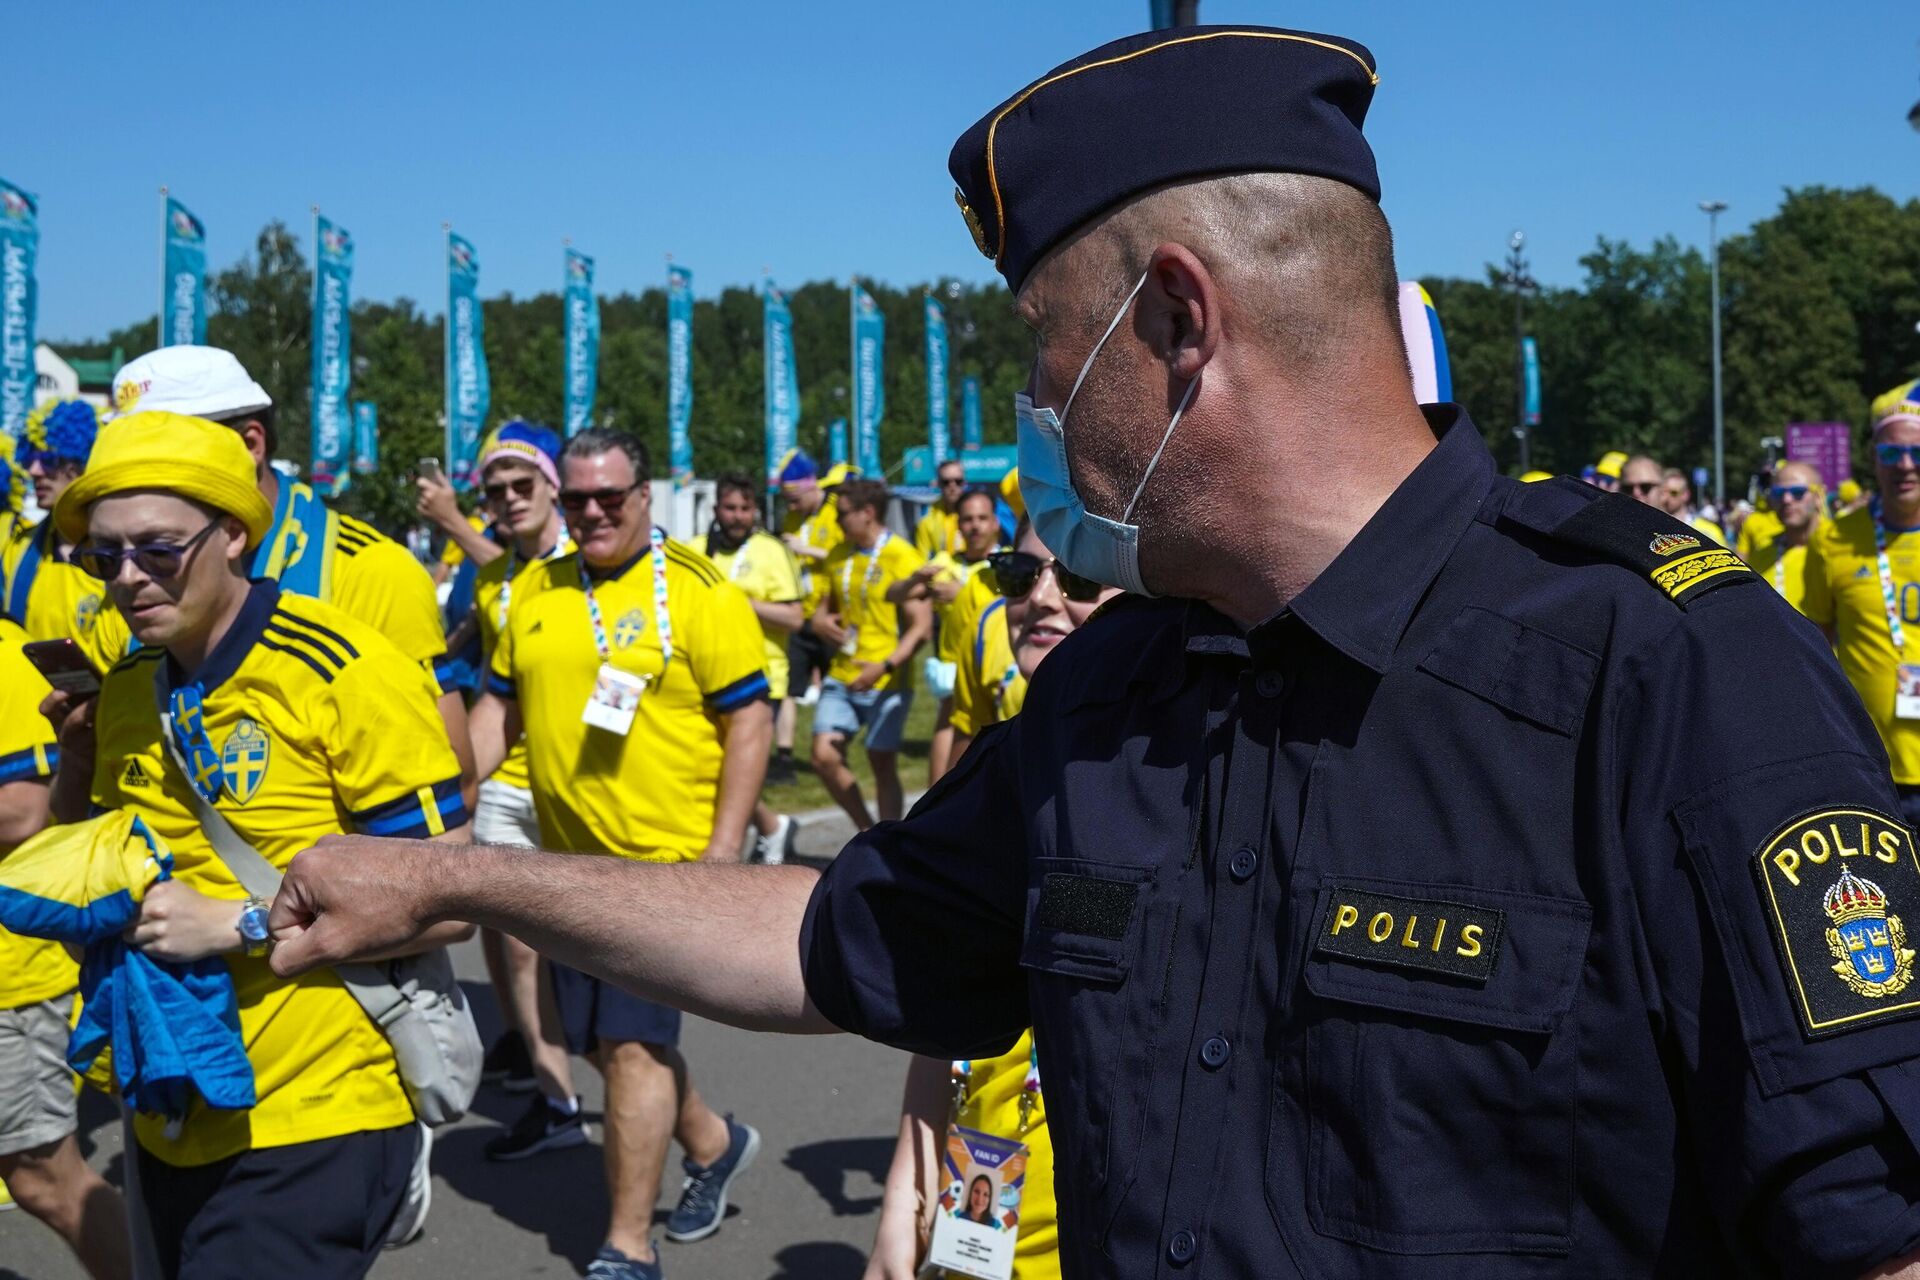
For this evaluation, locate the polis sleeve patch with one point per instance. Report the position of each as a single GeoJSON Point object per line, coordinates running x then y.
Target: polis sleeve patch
{"type": "Point", "coordinates": [1453, 938]}
{"type": "Point", "coordinates": [1838, 886]}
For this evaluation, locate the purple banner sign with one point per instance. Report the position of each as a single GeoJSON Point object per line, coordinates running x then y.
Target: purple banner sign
{"type": "Point", "coordinates": [1824, 445]}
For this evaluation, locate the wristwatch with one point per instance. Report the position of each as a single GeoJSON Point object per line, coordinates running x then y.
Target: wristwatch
{"type": "Point", "coordinates": [254, 938]}
{"type": "Point", "coordinates": [890, 666]}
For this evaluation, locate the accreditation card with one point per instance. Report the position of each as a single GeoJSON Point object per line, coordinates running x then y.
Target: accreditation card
{"type": "Point", "coordinates": [615, 698]}
{"type": "Point", "coordinates": [1906, 692]}
{"type": "Point", "coordinates": [978, 1218]}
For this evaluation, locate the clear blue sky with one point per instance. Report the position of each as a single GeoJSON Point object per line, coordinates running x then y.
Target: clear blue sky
{"type": "Point", "coordinates": [811, 137]}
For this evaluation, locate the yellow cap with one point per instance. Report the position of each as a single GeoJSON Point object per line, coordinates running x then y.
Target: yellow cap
{"type": "Point", "coordinates": [1010, 490]}
{"type": "Point", "coordinates": [1901, 402]}
{"type": "Point", "coordinates": [839, 473]}
{"type": "Point", "coordinates": [192, 457]}
{"type": "Point", "coordinates": [1611, 463]}
{"type": "Point", "coordinates": [1534, 477]}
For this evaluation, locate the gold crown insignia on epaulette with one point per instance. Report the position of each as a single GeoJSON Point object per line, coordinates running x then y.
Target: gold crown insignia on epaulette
{"type": "Point", "coordinates": [1666, 544]}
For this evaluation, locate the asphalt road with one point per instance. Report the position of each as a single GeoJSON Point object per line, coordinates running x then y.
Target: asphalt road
{"type": "Point", "coordinates": [826, 1108]}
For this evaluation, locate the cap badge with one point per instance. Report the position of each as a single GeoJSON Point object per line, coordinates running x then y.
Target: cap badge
{"type": "Point", "coordinates": [128, 394]}
{"type": "Point", "coordinates": [1666, 544]}
{"type": "Point", "coordinates": [973, 222]}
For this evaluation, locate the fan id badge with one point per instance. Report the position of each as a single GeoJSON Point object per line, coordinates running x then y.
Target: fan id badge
{"type": "Point", "coordinates": [851, 644]}
{"type": "Point", "coordinates": [977, 1220]}
{"type": "Point", "coordinates": [615, 699]}
{"type": "Point", "coordinates": [1906, 692]}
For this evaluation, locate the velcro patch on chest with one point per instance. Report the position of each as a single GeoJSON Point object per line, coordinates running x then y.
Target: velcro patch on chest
{"type": "Point", "coordinates": [1454, 938]}
{"type": "Point", "coordinates": [1097, 907]}
{"type": "Point", "coordinates": [1839, 886]}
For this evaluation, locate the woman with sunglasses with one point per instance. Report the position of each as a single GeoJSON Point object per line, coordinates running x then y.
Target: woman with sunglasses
{"type": "Point", "coordinates": [1041, 603]}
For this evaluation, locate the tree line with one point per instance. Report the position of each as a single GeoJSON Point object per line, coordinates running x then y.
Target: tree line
{"type": "Point", "coordinates": [1820, 302]}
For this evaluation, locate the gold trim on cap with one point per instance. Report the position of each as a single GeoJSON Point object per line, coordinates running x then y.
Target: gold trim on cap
{"type": "Point", "coordinates": [993, 177]}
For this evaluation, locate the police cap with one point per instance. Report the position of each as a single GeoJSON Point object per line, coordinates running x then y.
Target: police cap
{"type": "Point", "coordinates": [1160, 107]}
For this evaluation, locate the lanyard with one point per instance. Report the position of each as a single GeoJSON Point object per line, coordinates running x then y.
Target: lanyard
{"type": "Point", "coordinates": [866, 583]}
{"type": "Point", "coordinates": [962, 1073]}
{"type": "Point", "coordinates": [661, 623]}
{"type": "Point", "coordinates": [1894, 629]}
{"type": "Point", "coordinates": [1780, 571]}
{"type": "Point", "coordinates": [738, 569]}
{"type": "Point", "coordinates": [562, 545]}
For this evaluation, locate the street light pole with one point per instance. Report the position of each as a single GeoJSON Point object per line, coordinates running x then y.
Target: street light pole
{"type": "Point", "coordinates": [1522, 284]}
{"type": "Point", "coordinates": [1713, 209]}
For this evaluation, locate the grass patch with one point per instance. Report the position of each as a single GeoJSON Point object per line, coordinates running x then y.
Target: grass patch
{"type": "Point", "coordinates": [808, 792]}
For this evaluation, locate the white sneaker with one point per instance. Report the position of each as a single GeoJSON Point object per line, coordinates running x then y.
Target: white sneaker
{"type": "Point", "coordinates": [771, 850]}
{"type": "Point", "coordinates": [811, 696]}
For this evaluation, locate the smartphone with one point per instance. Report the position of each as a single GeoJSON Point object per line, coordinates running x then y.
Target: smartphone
{"type": "Point", "coordinates": [64, 666]}
{"type": "Point", "coordinates": [430, 468]}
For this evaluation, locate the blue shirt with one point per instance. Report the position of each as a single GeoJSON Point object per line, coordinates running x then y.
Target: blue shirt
{"type": "Point", "coordinates": [1468, 917]}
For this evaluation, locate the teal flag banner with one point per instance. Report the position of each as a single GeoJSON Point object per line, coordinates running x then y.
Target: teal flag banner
{"type": "Point", "coordinates": [1532, 353]}
{"type": "Point", "coordinates": [366, 438]}
{"type": "Point", "coordinates": [332, 345]}
{"type": "Point", "coordinates": [939, 433]}
{"type": "Point", "coordinates": [469, 390]}
{"type": "Point", "coordinates": [836, 442]}
{"type": "Point", "coordinates": [19, 303]}
{"type": "Point", "coordinates": [869, 380]}
{"type": "Point", "coordinates": [680, 373]}
{"type": "Point", "coordinates": [583, 342]}
{"type": "Point", "coordinates": [970, 436]}
{"type": "Point", "coordinates": [183, 300]}
{"type": "Point", "coordinates": [782, 383]}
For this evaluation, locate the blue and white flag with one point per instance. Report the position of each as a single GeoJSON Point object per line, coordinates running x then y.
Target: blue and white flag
{"type": "Point", "coordinates": [332, 374]}
{"type": "Point", "coordinates": [1532, 354]}
{"type": "Point", "coordinates": [183, 301]}
{"type": "Point", "coordinates": [836, 442]}
{"type": "Point", "coordinates": [366, 438]}
{"type": "Point", "coordinates": [782, 383]}
{"type": "Point", "coordinates": [939, 434]}
{"type": "Point", "coordinates": [469, 390]}
{"type": "Point", "coordinates": [869, 380]}
{"type": "Point", "coordinates": [680, 373]}
{"type": "Point", "coordinates": [19, 302]}
{"type": "Point", "coordinates": [583, 342]}
{"type": "Point", "coordinates": [970, 437]}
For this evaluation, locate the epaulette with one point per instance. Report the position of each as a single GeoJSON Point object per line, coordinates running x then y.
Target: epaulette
{"type": "Point", "coordinates": [1676, 558]}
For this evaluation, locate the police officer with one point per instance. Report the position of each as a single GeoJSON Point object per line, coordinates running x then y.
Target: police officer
{"type": "Point", "coordinates": [1413, 890]}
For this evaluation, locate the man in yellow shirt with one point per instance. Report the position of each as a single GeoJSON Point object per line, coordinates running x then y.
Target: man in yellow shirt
{"type": "Point", "coordinates": [1863, 589]}
{"type": "Point", "coordinates": [40, 1160]}
{"type": "Point", "coordinates": [938, 532]}
{"type": "Point", "coordinates": [637, 672]}
{"type": "Point", "coordinates": [40, 588]}
{"type": "Point", "coordinates": [874, 636]}
{"type": "Point", "coordinates": [311, 550]}
{"type": "Point", "coordinates": [943, 582]}
{"type": "Point", "coordinates": [296, 722]}
{"type": "Point", "coordinates": [1646, 480]}
{"type": "Point", "coordinates": [1782, 560]}
{"type": "Point", "coordinates": [761, 566]}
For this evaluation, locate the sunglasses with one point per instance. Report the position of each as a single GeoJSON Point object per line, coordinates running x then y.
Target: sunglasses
{"type": "Point", "coordinates": [1645, 486]}
{"type": "Point", "coordinates": [609, 500]}
{"type": "Point", "coordinates": [520, 486]}
{"type": "Point", "coordinates": [1889, 455]}
{"type": "Point", "coordinates": [158, 560]}
{"type": "Point", "coordinates": [1781, 492]}
{"type": "Point", "coordinates": [952, 482]}
{"type": "Point", "coordinates": [1018, 573]}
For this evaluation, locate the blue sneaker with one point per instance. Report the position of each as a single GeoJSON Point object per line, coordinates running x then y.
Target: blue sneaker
{"type": "Point", "coordinates": [703, 1199]}
{"type": "Point", "coordinates": [611, 1264]}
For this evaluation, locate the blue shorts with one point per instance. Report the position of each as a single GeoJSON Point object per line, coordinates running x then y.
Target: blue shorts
{"type": "Point", "coordinates": [881, 712]}
{"type": "Point", "coordinates": [592, 1010]}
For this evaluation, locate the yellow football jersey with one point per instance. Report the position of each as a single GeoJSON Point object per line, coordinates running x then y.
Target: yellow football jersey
{"type": "Point", "coordinates": [648, 794]}
{"type": "Point", "coordinates": [53, 598]}
{"type": "Point", "coordinates": [1843, 591]}
{"type": "Point", "coordinates": [992, 1105]}
{"type": "Point", "coordinates": [822, 530]}
{"type": "Point", "coordinates": [31, 970]}
{"type": "Point", "coordinates": [938, 533]}
{"type": "Point", "coordinates": [764, 569]}
{"type": "Point", "coordinates": [857, 583]}
{"type": "Point", "coordinates": [1786, 568]}
{"type": "Point", "coordinates": [493, 599]}
{"type": "Point", "coordinates": [985, 667]}
{"type": "Point", "coordinates": [320, 726]}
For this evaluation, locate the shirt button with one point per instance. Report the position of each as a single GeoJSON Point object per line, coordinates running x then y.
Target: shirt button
{"type": "Point", "coordinates": [1243, 863]}
{"type": "Point", "coordinates": [1181, 1248]}
{"type": "Point", "coordinates": [1268, 684]}
{"type": "Point", "coordinates": [1215, 1051]}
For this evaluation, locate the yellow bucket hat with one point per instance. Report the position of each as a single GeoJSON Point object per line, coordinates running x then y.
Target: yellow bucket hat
{"type": "Point", "coordinates": [192, 457]}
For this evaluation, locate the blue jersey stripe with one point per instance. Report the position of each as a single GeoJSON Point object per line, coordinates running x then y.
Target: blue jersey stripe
{"type": "Point", "coordinates": [740, 692]}
{"type": "Point", "coordinates": [34, 762]}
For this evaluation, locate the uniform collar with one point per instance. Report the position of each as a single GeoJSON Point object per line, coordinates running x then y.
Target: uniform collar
{"type": "Point", "coordinates": [232, 649]}
{"type": "Point", "coordinates": [1361, 603]}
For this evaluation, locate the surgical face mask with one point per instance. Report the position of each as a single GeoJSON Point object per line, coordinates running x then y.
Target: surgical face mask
{"type": "Point", "coordinates": [1092, 546]}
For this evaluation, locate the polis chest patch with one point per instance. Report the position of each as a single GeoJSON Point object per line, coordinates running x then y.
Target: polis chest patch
{"type": "Point", "coordinates": [1453, 938]}
{"type": "Point", "coordinates": [1839, 886]}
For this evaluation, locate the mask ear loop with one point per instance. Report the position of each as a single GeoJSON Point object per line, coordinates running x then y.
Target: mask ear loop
{"type": "Point", "coordinates": [1127, 515]}
{"type": "Point", "coordinates": [1087, 367]}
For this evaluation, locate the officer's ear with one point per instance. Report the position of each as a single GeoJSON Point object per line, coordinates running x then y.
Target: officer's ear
{"type": "Point", "coordinates": [1180, 310]}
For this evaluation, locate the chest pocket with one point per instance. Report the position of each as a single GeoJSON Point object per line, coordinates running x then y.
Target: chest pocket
{"type": "Point", "coordinates": [1441, 1067]}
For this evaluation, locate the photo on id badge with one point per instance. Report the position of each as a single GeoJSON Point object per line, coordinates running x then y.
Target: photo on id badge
{"type": "Point", "coordinates": [1906, 692]}
{"type": "Point", "coordinates": [979, 1217]}
{"type": "Point", "coordinates": [615, 699]}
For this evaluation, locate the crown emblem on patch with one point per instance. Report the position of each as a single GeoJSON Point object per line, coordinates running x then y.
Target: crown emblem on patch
{"type": "Point", "coordinates": [973, 222]}
{"type": "Point", "coordinates": [1869, 945]}
{"type": "Point", "coordinates": [1666, 544]}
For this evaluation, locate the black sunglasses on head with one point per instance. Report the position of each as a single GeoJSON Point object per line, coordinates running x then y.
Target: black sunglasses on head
{"type": "Point", "coordinates": [1018, 573]}
{"type": "Point", "coordinates": [158, 560]}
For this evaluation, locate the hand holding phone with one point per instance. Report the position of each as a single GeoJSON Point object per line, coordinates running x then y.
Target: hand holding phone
{"type": "Point", "coordinates": [63, 665]}
{"type": "Point", "coordinates": [430, 470]}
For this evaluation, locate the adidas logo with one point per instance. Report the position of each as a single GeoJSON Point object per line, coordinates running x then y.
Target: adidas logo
{"type": "Point", "coordinates": [1861, 572]}
{"type": "Point", "coordinates": [135, 775]}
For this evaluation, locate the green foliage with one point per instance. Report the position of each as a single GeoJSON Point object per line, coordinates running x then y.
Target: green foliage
{"type": "Point", "coordinates": [1820, 302]}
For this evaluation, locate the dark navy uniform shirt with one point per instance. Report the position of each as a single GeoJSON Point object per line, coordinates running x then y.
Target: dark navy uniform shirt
{"type": "Point", "coordinates": [1523, 900]}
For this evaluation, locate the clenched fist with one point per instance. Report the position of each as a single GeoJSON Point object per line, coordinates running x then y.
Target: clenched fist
{"type": "Point", "coordinates": [353, 898]}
